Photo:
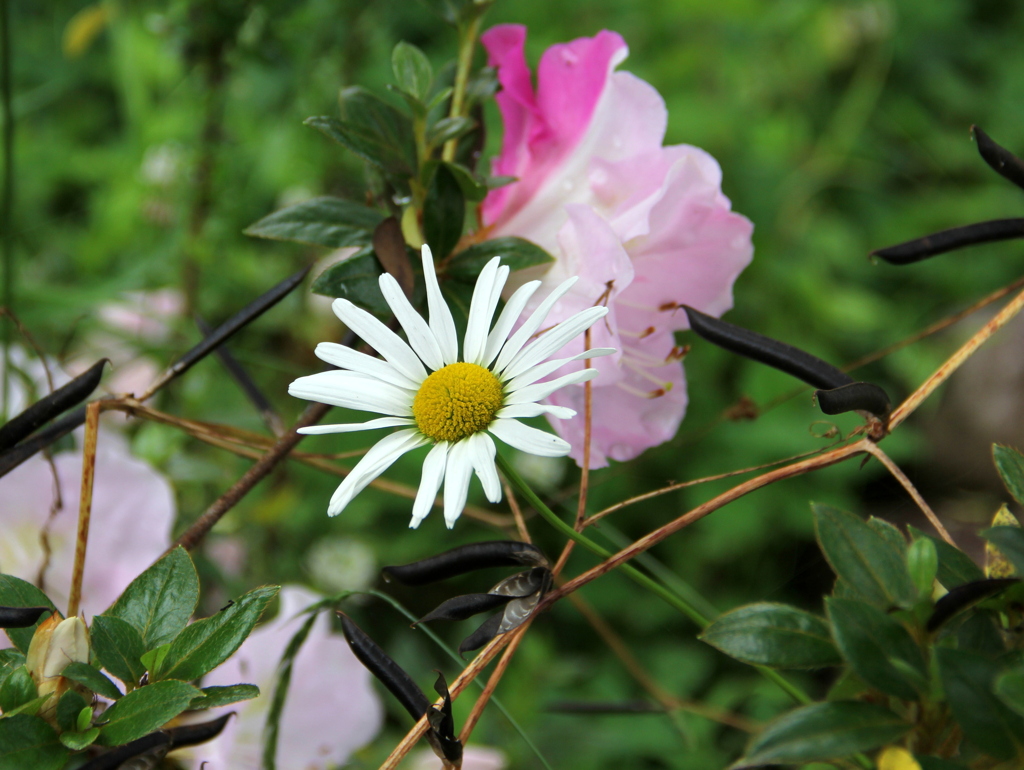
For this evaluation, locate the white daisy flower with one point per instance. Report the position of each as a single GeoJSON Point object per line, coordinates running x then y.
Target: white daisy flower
{"type": "Point", "coordinates": [439, 399]}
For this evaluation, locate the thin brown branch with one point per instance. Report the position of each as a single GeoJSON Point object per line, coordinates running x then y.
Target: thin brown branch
{"type": "Point", "coordinates": [901, 477]}
{"type": "Point", "coordinates": [92, 425]}
{"type": "Point", "coordinates": [517, 512]}
{"type": "Point", "coordinates": [492, 682]}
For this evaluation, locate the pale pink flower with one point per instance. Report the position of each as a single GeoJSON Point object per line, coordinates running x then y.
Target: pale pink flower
{"type": "Point", "coordinates": [646, 227]}
{"type": "Point", "coordinates": [133, 510]}
{"type": "Point", "coordinates": [331, 710]}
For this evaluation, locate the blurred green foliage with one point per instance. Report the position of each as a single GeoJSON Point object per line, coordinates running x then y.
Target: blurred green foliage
{"type": "Point", "coordinates": [149, 135]}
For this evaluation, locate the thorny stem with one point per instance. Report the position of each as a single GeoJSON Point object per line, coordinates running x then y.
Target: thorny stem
{"type": "Point", "coordinates": [92, 424]}
{"type": "Point", "coordinates": [467, 45]}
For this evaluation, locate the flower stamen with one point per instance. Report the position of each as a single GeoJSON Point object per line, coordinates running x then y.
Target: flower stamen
{"type": "Point", "coordinates": [457, 401]}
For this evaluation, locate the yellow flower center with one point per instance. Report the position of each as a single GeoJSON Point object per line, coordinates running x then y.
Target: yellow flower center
{"type": "Point", "coordinates": [456, 401]}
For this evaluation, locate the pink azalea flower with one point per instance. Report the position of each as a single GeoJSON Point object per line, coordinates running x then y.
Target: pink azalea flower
{"type": "Point", "coordinates": [332, 708]}
{"type": "Point", "coordinates": [646, 227]}
{"type": "Point", "coordinates": [133, 510]}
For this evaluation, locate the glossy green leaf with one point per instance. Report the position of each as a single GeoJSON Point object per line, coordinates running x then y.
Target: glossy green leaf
{"type": "Point", "coordinates": [1010, 689]}
{"type": "Point", "coordinates": [1010, 542]}
{"type": "Point", "coordinates": [444, 212]}
{"type": "Point", "coordinates": [68, 708]}
{"type": "Point", "coordinates": [355, 279]}
{"type": "Point", "coordinates": [823, 731]}
{"type": "Point", "coordinates": [412, 70]}
{"type": "Point", "coordinates": [118, 647]}
{"type": "Point", "coordinates": [154, 659]}
{"type": "Point", "coordinates": [923, 565]}
{"type": "Point", "coordinates": [863, 558]}
{"type": "Point", "coordinates": [955, 567]}
{"type": "Point", "coordinates": [76, 741]}
{"type": "Point", "coordinates": [890, 532]}
{"type": "Point", "coordinates": [1010, 464]}
{"type": "Point", "coordinates": [31, 707]}
{"type": "Point", "coordinates": [29, 742]}
{"type": "Point", "coordinates": [968, 679]}
{"type": "Point", "coordinates": [214, 697]}
{"type": "Point", "coordinates": [449, 128]}
{"type": "Point", "coordinates": [92, 678]}
{"type": "Point", "coordinates": [372, 129]}
{"type": "Point", "coordinates": [326, 221]}
{"type": "Point", "coordinates": [775, 635]}
{"type": "Point", "coordinates": [10, 659]}
{"type": "Point", "coordinates": [144, 710]}
{"type": "Point", "coordinates": [15, 592]}
{"type": "Point", "coordinates": [159, 602]}
{"type": "Point", "coordinates": [207, 643]}
{"type": "Point", "coordinates": [517, 253]}
{"type": "Point", "coordinates": [875, 644]}
{"type": "Point", "coordinates": [17, 689]}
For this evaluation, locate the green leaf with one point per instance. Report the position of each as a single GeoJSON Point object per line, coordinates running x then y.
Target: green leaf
{"type": "Point", "coordinates": [76, 741]}
{"type": "Point", "coordinates": [330, 222]}
{"type": "Point", "coordinates": [354, 279]}
{"type": "Point", "coordinates": [222, 696]}
{"type": "Point", "coordinates": [10, 659]}
{"type": "Point", "coordinates": [154, 659]}
{"type": "Point", "coordinates": [31, 707]}
{"type": "Point", "coordinates": [955, 567]}
{"type": "Point", "coordinates": [144, 710]}
{"type": "Point", "coordinates": [15, 592]}
{"type": "Point", "coordinates": [29, 742]}
{"type": "Point", "coordinates": [823, 731]}
{"type": "Point", "coordinates": [17, 689]}
{"type": "Point", "coordinates": [1010, 542]}
{"type": "Point", "coordinates": [858, 554]}
{"type": "Point", "coordinates": [277, 701]}
{"type": "Point", "coordinates": [923, 565]}
{"type": "Point", "coordinates": [207, 643]}
{"type": "Point", "coordinates": [159, 602]}
{"type": "Point", "coordinates": [412, 70]}
{"type": "Point", "coordinates": [444, 212]}
{"type": "Point", "coordinates": [875, 645]}
{"type": "Point", "coordinates": [774, 635]}
{"type": "Point", "coordinates": [1010, 464]}
{"type": "Point", "coordinates": [968, 680]}
{"type": "Point", "coordinates": [92, 678]}
{"type": "Point", "coordinates": [84, 719]}
{"type": "Point", "coordinates": [449, 128]}
{"type": "Point", "coordinates": [68, 708]}
{"type": "Point", "coordinates": [1010, 689]}
{"type": "Point", "coordinates": [118, 648]}
{"type": "Point", "coordinates": [517, 253]}
{"type": "Point", "coordinates": [890, 532]}
{"type": "Point", "coordinates": [458, 296]}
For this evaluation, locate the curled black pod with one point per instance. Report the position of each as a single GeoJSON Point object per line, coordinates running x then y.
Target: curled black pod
{"type": "Point", "coordinates": [950, 240]}
{"type": "Point", "coordinates": [58, 402]}
{"type": "Point", "coordinates": [487, 631]}
{"type": "Point", "coordinates": [193, 735]}
{"type": "Point", "coordinates": [1002, 161]}
{"type": "Point", "coordinates": [965, 596]}
{"type": "Point", "coordinates": [20, 617]}
{"type": "Point", "coordinates": [389, 673]}
{"type": "Point", "coordinates": [466, 606]}
{"type": "Point", "coordinates": [524, 584]}
{"type": "Point", "coordinates": [467, 558]}
{"type": "Point", "coordinates": [442, 725]}
{"type": "Point", "coordinates": [159, 743]}
{"type": "Point", "coordinates": [16, 455]}
{"type": "Point", "coordinates": [855, 397]}
{"type": "Point", "coordinates": [765, 350]}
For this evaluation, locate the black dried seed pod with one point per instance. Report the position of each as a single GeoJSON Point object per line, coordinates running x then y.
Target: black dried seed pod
{"type": "Point", "coordinates": [467, 558]}
{"type": "Point", "coordinates": [20, 617]}
{"type": "Point", "coordinates": [487, 631]}
{"type": "Point", "coordinates": [1002, 161]}
{"type": "Point", "coordinates": [524, 584]}
{"type": "Point", "coordinates": [159, 743]}
{"type": "Point", "coordinates": [765, 350]}
{"type": "Point", "coordinates": [950, 240]}
{"type": "Point", "coordinates": [855, 397]}
{"type": "Point", "coordinates": [964, 596]}
{"type": "Point", "coordinates": [389, 673]}
{"type": "Point", "coordinates": [442, 725]}
{"type": "Point", "coordinates": [58, 402]}
{"type": "Point", "coordinates": [466, 606]}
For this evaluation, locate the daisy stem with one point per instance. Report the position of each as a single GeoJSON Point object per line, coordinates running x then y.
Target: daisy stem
{"type": "Point", "coordinates": [634, 574]}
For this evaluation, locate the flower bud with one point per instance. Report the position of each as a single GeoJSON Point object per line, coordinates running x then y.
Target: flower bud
{"type": "Point", "coordinates": [55, 644]}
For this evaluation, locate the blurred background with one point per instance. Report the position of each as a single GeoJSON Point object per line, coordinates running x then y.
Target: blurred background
{"type": "Point", "coordinates": [149, 134]}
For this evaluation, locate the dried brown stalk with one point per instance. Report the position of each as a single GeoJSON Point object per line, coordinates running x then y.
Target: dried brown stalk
{"type": "Point", "coordinates": [92, 425]}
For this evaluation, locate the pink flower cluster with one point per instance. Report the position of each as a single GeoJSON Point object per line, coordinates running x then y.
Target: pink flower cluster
{"type": "Point", "coordinates": [646, 227]}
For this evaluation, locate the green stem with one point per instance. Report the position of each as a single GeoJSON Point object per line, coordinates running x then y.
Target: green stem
{"type": "Point", "coordinates": [7, 194]}
{"type": "Point", "coordinates": [467, 44]}
{"type": "Point", "coordinates": [634, 574]}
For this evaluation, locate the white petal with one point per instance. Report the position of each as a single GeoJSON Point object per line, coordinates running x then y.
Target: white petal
{"type": "Point", "coordinates": [553, 340]}
{"type": "Point", "coordinates": [507, 319]}
{"type": "Point", "coordinates": [482, 455]}
{"type": "Point", "coordinates": [528, 439]}
{"type": "Point", "coordinates": [481, 309]}
{"type": "Point", "coordinates": [430, 482]}
{"type": "Point", "coordinates": [391, 347]}
{"type": "Point", "coordinates": [541, 390]}
{"type": "Point", "coordinates": [421, 338]}
{"type": "Point", "coordinates": [540, 371]}
{"type": "Point", "coordinates": [532, 324]}
{"type": "Point", "coordinates": [375, 462]}
{"type": "Point", "coordinates": [354, 391]}
{"type": "Point", "coordinates": [456, 481]}
{"type": "Point", "coordinates": [346, 358]}
{"type": "Point", "coordinates": [381, 422]}
{"type": "Point", "coordinates": [441, 321]}
{"type": "Point", "coordinates": [535, 410]}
